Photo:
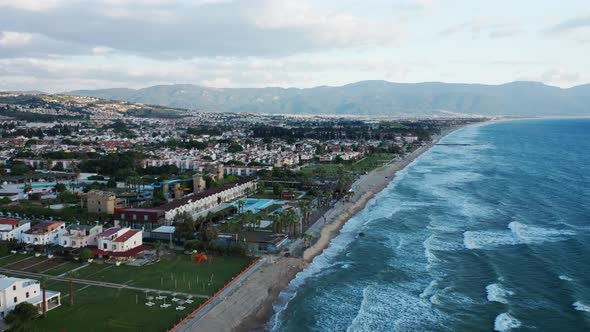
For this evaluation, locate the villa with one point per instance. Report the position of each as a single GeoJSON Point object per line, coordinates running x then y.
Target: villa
{"type": "Point", "coordinates": [44, 233]}
{"type": "Point", "coordinates": [13, 229]}
{"type": "Point", "coordinates": [16, 290]}
{"type": "Point", "coordinates": [79, 236]}
{"type": "Point", "coordinates": [119, 243]}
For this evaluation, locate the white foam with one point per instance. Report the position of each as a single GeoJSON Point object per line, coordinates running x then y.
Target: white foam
{"type": "Point", "coordinates": [394, 308]}
{"type": "Point", "coordinates": [505, 322]}
{"type": "Point", "coordinates": [581, 306]}
{"type": "Point", "coordinates": [566, 278]}
{"type": "Point", "coordinates": [518, 233]}
{"type": "Point", "coordinates": [533, 234]}
{"type": "Point", "coordinates": [429, 291]}
{"type": "Point", "coordinates": [498, 294]}
{"type": "Point", "coordinates": [488, 239]}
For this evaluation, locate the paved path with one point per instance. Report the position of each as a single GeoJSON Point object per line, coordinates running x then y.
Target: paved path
{"type": "Point", "coordinates": [189, 324]}
{"type": "Point", "coordinates": [97, 283]}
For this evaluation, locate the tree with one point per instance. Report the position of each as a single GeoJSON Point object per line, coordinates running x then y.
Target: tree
{"type": "Point", "coordinates": [234, 147]}
{"type": "Point", "coordinates": [19, 168]}
{"type": "Point", "coordinates": [85, 254]}
{"type": "Point", "coordinates": [44, 290]}
{"type": "Point", "coordinates": [22, 313]}
{"type": "Point", "coordinates": [277, 189]}
{"type": "Point", "coordinates": [158, 246]}
{"type": "Point", "coordinates": [208, 234]}
{"type": "Point", "coordinates": [59, 187]}
{"type": "Point", "coordinates": [66, 196]}
{"type": "Point", "coordinates": [185, 225]}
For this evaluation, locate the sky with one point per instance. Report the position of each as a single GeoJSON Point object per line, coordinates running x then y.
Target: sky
{"type": "Point", "coordinates": [62, 45]}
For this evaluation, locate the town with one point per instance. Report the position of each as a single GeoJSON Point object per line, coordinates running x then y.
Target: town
{"type": "Point", "coordinates": [135, 216]}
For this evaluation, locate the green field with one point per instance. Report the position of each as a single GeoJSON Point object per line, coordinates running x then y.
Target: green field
{"type": "Point", "coordinates": [108, 309]}
{"type": "Point", "coordinates": [363, 165]}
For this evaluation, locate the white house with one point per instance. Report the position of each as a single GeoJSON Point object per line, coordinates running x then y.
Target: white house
{"type": "Point", "coordinates": [119, 242]}
{"type": "Point", "coordinates": [45, 233]}
{"type": "Point", "coordinates": [79, 236]}
{"type": "Point", "coordinates": [16, 290]}
{"type": "Point", "coordinates": [13, 229]}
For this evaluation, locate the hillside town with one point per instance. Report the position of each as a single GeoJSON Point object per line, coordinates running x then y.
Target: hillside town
{"type": "Point", "coordinates": [107, 189]}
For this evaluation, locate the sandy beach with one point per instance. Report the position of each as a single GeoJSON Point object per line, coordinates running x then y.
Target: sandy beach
{"type": "Point", "coordinates": [250, 306]}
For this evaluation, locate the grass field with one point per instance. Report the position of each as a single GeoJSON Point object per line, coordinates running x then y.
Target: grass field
{"type": "Point", "coordinates": [176, 273]}
{"type": "Point", "coordinates": [108, 309]}
{"type": "Point", "coordinates": [366, 164]}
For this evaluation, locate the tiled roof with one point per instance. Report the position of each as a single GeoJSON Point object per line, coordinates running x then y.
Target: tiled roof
{"type": "Point", "coordinates": [9, 221]}
{"type": "Point", "coordinates": [126, 236]}
{"type": "Point", "coordinates": [109, 232]}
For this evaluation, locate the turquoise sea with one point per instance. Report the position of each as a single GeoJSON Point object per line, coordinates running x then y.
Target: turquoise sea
{"type": "Point", "coordinates": [490, 236]}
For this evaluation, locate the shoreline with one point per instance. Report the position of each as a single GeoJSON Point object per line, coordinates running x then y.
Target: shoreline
{"type": "Point", "coordinates": [250, 307]}
{"type": "Point", "coordinates": [370, 185]}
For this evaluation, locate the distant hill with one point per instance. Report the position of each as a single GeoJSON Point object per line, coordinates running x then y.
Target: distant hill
{"type": "Point", "coordinates": [375, 98]}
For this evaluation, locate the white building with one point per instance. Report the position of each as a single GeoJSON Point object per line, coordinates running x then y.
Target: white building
{"type": "Point", "coordinates": [13, 229]}
{"type": "Point", "coordinates": [79, 236]}
{"type": "Point", "coordinates": [45, 233]}
{"type": "Point", "coordinates": [208, 199]}
{"type": "Point", "coordinates": [16, 290]}
{"type": "Point", "coordinates": [119, 242]}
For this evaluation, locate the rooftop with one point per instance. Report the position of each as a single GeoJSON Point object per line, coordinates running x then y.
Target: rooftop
{"type": "Point", "coordinates": [126, 236]}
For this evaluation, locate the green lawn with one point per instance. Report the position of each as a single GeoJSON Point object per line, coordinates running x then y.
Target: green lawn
{"type": "Point", "coordinates": [108, 309]}
{"type": "Point", "coordinates": [11, 258]}
{"type": "Point", "coordinates": [175, 273]}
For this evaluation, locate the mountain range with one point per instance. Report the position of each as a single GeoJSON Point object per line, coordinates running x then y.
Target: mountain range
{"type": "Point", "coordinates": [369, 98]}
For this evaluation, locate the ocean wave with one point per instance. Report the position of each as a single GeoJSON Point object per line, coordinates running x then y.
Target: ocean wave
{"type": "Point", "coordinates": [429, 291]}
{"type": "Point", "coordinates": [518, 233]}
{"type": "Point", "coordinates": [488, 239]}
{"type": "Point", "coordinates": [498, 294]}
{"type": "Point", "coordinates": [581, 306]}
{"type": "Point", "coordinates": [565, 278]}
{"type": "Point", "coordinates": [505, 322]}
{"type": "Point", "coordinates": [394, 308]}
{"type": "Point", "coordinates": [533, 234]}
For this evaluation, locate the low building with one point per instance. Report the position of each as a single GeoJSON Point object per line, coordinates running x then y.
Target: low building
{"type": "Point", "coordinates": [13, 229]}
{"type": "Point", "coordinates": [80, 236]}
{"type": "Point", "coordinates": [198, 202]}
{"type": "Point", "coordinates": [101, 202]}
{"type": "Point", "coordinates": [44, 233]}
{"type": "Point", "coordinates": [16, 290]}
{"type": "Point", "coordinates": [137, 218]}
{"type": "Point", "coordinates": [119, 242]}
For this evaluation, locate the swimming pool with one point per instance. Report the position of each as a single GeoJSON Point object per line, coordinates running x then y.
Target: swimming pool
{"type": "Point", "coordinates": [255, 205]}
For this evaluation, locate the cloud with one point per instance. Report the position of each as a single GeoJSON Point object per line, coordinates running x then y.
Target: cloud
{"type": "Point", "coordinates": [556, 76]}
{"type": "Point", "coordinates": [220, 72]}
{"type": "Point", "coordinates": [569, 25]}
{"type": "Point", "coordinates": [187, 29]}
{"type": "Point", "coordinates": [484, 26]}
{"type": "Point", "coordinates": [14, 39]}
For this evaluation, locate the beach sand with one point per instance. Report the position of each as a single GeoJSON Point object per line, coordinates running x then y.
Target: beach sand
{"type": "Point", "coordinates": [250, 306]}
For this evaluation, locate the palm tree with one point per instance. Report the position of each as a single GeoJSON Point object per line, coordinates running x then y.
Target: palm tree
{"type": "Point", "coordinates": [158, 246]}
{"type": "Point", "coordinates": [241, 204]}
{"type": "Point", "coordinates": [71, 275]}
{"type": "Point", "coordinates": [44, 288]}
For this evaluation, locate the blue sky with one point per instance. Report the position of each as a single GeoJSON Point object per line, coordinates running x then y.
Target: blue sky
{"type": "Point", "coordinates": [59, 45]}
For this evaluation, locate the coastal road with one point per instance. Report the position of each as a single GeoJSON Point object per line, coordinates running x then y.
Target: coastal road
{"type": "Point", "coordinates": [190, 323]}
{"type": "Point", "coordinates": [97, 283]}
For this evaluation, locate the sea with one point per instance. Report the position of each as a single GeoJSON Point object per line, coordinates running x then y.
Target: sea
{"type": "Point", "coordinates": [489, 235]}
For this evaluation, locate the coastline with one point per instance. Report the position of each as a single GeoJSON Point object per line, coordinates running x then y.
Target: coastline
{"type": "Point", "coordinates": [370, 185]}
{"type": "Point", "coordinates": [251, 306]}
